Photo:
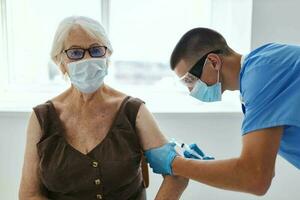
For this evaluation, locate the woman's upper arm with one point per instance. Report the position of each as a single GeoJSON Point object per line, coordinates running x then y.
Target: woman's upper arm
{"type": "Point", "coordinates": [148, 130]}
{"type": "Point", "coordinates": [151, 137]}
{"type": "Point", "coordinates": [30, 181]}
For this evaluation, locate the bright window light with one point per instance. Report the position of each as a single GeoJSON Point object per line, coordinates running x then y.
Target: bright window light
{"type": "Point", "coordinates": [31, 25]}
{"type": "Point", "coordinates": [143, 35]}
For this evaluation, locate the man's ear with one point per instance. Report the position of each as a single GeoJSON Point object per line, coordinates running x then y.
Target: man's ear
{"type": "Point", "coordinates": [215, 60]}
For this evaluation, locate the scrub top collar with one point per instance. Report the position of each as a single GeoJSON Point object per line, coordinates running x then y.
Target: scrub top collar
{"type": "Point", "coordinates": [241, 98]}
{"type": "Point", "coordinates": [242, 60]}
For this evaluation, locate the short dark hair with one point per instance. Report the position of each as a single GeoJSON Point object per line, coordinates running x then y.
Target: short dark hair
{"type": "Point", "coordinates": [197, 42]}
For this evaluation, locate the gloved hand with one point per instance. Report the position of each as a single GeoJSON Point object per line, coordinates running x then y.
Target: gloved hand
{"type": "Point", "coordinates": [161, 158]}
{"type": "Point", "coordinates": [194, 152]}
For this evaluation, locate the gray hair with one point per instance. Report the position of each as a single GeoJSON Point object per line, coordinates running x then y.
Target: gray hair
{"type": "Point", "coordinates": [91, 26]}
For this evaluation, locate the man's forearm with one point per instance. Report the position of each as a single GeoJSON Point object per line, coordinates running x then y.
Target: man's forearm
{"type": "Point", "coordinates": [171, 188]}
{"type": "Point", "coordinates": [231, 174]}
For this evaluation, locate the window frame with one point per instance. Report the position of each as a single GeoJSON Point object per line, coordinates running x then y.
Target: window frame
{"type": "Point", "coordinates": [4, 61]}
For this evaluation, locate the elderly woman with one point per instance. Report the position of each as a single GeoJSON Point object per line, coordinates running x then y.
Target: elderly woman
{"type": "Point", "coordinates": [87, 142]}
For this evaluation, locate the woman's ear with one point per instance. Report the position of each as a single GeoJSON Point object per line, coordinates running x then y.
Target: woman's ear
{"type": "Point", "coordinates": [61, 64]}
{"type": "Point", "coordinates": [108, 62]}
{"type": "Point", "coordinates": [63, 68]}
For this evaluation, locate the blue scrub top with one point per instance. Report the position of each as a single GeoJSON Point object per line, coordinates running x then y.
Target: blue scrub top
{"type": "Point", "coordinates": [270, 89]}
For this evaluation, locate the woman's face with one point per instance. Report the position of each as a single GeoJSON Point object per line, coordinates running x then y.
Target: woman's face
{"type": "Point", "coordinates": [77, 39]}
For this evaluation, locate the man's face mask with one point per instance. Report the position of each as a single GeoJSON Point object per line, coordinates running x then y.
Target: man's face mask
{"type": "Point", "coordinates": [206, 93]}
{"type": "Point", "coordinates": [201, 90]}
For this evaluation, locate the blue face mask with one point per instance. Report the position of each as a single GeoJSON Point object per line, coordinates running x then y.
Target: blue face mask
{"type": "Point", "coordinates": [206, 93]}
{"type": "Point", "coordinates": [88, 75]}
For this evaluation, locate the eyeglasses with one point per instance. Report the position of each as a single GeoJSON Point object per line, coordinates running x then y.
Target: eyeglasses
{"type": "Point", "coordinates": [78, 53]}
{"type": "Point", "coordinates": [190, 78]}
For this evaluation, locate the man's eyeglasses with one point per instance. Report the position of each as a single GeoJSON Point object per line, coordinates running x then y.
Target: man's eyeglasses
{"type": "Point", "coordinates": [78, 53]}
{"type": "Point", "coordinates": [190, 78]}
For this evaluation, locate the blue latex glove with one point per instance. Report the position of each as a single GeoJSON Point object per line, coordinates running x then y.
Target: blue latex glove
{"type": "Point", "coordinates": [161, 158]}
{"type": "Point", "coordinates": [198, 151]}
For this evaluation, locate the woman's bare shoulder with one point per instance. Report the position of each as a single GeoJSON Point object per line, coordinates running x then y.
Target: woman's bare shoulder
{"type": "Point", "coordinates": [115, 95]}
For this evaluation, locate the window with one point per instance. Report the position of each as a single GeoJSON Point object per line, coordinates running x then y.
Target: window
{"type": "Point", "coordinates": [143, 35]}
{"type": "Point", "coordinates": [31, 25]}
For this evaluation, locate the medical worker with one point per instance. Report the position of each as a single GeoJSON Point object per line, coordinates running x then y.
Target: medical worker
{"type": "Point", "coordinates": [268, 79]}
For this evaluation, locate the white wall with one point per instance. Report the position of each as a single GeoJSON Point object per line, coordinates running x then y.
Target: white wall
{"type": "Point", "coordinates": [275, 21]}
{"type": "Point", "coordinates": [12, 141]}
{"type": "Point", "coordinates": [217, 134]}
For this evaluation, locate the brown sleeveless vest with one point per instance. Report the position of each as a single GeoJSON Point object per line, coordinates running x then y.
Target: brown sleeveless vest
{"type": "Point", "coordinates": [110, 171]}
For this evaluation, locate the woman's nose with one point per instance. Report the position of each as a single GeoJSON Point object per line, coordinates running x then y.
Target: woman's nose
{"type": "Point", "coordinates": [87, 55]}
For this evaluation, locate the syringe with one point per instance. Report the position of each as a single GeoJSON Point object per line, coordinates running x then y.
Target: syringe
{"type": "Point", "coordinates": [181, 148]}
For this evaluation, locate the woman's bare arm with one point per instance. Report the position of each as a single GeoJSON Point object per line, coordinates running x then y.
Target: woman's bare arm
{"type": "Point", "coordinates": [30, 187]}
{"type": "Point", "coordinates": [151, 137]}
